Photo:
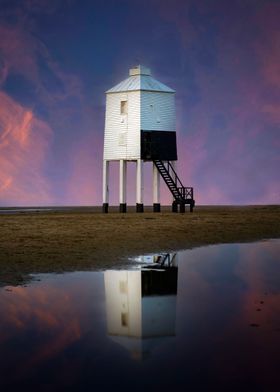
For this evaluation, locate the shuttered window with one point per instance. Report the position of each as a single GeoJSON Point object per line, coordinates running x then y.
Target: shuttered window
{"type": "Point", "coordinates": [123, 107]}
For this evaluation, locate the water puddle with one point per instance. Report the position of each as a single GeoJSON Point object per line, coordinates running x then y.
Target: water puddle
{"type": "Point", "coordinates": [201, 317]}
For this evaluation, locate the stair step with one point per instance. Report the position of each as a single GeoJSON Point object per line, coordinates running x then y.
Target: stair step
{"type": "Point", "coordinates": [171, 181]}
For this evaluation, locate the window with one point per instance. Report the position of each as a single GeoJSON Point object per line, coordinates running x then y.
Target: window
{"type": "Point", "coordinates": [124, 319]}
{"type": "Point", "coordinates": [123, 107]}
{"type": "Point", "coordinates": [123, 287]}
{"type": "Point", "coordinates": [122, 138]}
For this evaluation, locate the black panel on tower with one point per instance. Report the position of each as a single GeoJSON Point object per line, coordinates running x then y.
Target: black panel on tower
{"type": "Point", "coordinates": [158, 145]}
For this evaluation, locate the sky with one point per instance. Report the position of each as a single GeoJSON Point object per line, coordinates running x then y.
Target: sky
{"type": "Point", "coordinates": [58, 57]}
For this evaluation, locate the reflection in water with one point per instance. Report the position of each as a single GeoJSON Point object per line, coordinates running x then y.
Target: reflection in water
{"type": "Point", "coordinates": [207, 317]}
{"type": "Point", "coordinates": [141, 304]}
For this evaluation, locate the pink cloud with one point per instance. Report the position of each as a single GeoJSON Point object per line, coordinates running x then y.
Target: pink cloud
{"type": "Point", "coordinates": [24, 142]}
{"type": "Point", "coordinates": [219, 164]}
{"type": "Point", "coordinates": [25, 139]}
{"type": "Point", "coordinates": [20, 51]}
{"type": "Point", "coordinates": [30, 307]}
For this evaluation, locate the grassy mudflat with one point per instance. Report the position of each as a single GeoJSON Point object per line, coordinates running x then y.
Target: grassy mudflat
{"type": "Point", "coordinates": [82, 238]}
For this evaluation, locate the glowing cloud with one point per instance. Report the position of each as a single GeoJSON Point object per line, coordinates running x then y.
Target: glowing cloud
{"type": "Point", "coordinates": [225, 70]}
{"type": "Point", "coordinates": [24, 141]}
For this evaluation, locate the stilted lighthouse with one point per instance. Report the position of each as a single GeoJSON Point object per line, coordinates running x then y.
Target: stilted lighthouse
{"type": "Point", "coordinates": [140, 127]}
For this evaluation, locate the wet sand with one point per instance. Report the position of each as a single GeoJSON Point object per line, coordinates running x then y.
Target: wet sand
{"type": "Point", "coordinates": [83, 238]}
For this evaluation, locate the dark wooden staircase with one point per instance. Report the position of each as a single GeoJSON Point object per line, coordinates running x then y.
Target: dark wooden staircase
{"type": "Point", "coordinates": [182, 195]}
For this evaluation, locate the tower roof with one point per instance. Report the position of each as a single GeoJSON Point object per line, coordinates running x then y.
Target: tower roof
{"type": "Point", "coordinates": [140, 79]}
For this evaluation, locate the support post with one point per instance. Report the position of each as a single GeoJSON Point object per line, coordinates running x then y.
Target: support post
{"type": "Point", "coordinates": [174, 207]}
{"type": "Point", "coordinates": [122, 187]}
{"type": "Point", "coordinates": [156, 189]}
{"type": "Point", "coordinates": [192, 205]}
{"type": "Point", "coordinates": [105, 207]}
{"type": "Point", "coordinates": [139, 187]}
{"type": "Point", "coordinates": [175, 260]}
{"type": "Point", "coordinates": [182, 207]}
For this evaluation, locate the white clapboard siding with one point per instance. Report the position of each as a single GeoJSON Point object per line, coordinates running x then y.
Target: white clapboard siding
{"type": "Point", "coordinates": [133, 139]}
{"type": "Point", "coordinates": [122, 131]}
{"type": "Point", "coordinates": [157, 111]}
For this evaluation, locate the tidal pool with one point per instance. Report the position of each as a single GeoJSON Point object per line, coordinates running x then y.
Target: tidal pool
{"type": "Point", "coordinates": [201, 318]}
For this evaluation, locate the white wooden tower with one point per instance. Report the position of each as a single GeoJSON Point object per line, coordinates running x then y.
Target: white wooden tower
{"type": "Point", "coordinates": [139, 127]}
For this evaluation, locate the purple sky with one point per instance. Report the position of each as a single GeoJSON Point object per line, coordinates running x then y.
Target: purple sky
{"type": "Point", "coordinates": [58, 57]}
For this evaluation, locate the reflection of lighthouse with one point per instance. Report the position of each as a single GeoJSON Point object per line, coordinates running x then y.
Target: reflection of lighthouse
{"type": "Point", "coordinates": [141, 305]}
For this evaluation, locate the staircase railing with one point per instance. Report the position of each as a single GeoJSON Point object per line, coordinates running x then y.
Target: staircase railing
{"type": "Point", "coordinates": [184, 194]}
{"type": "Point", "coordinates": [176, 179]}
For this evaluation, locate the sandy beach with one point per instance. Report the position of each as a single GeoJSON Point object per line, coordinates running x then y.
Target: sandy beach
{"type": "Point", "coordinates": [83, 238]}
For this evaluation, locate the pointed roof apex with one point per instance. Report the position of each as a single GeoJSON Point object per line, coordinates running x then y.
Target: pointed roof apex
{"type": "Point", "coordinates": [139, 70]}
{"type": "Point", "coordinates": [140, 79]}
